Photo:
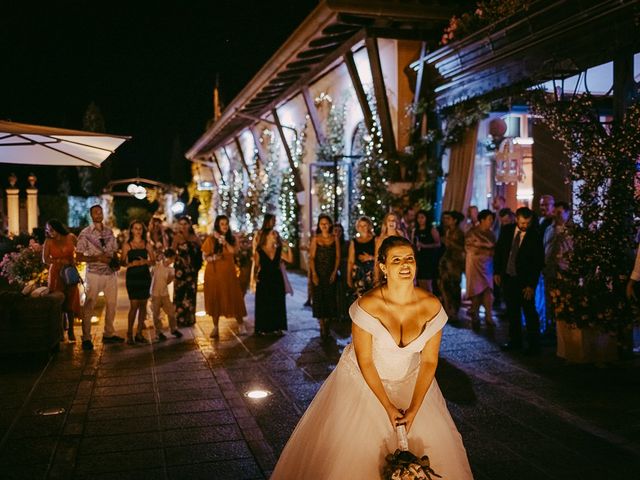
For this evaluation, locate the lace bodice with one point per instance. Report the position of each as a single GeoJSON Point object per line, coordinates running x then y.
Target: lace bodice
{"type": "Point", "coordinates": [393, 362]}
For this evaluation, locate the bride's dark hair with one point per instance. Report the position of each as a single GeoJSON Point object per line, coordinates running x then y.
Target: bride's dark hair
{"type": "Point", "coordinates": [389, 243]}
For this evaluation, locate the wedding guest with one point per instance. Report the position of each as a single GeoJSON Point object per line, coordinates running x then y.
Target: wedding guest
{"type": "Point", "coordinates": [519, 258]}
{"type": "Point", "coordinates": [324, 261]}
{"type": "Point", "coordinates": [342, 287]}
{"type": "Point", "coordinates": [408, 222]}
{"type": "Point", "coordinates": [452, 263]}
{"type": "Point", "coordinates": [163, 275]}
{"type": "Point", "coordinates": [390, 228]}
{"type": "Point", "coordinates": [426, 239]}
{"type": "Point", "coordinates": [159, 236]}
{"type": "Point", "coordinates": [497, 204]}
{"type": "Point", "coordinates": [547, 210]}
{"type": "Point", "coordinates": [558, 245]}
{"type": "Point", "coordinates": [471, 220]}
{"type": "Point", "coordinates": [58, 251]}
{"type": "Point", "coordinates": [97, 246]}
{"type": "Point", "coordinates": [360, 263]}
{"type": "Point", "coordinates": [479, 247]}
{"type": "Point", "coordinates": [187, 247]}
{"type": "Point", "coordinates": [137, 255]}
{"type": "Point", "coordinates": [271, 309]}
{"type": "Point", "coordinates": [222, 293]}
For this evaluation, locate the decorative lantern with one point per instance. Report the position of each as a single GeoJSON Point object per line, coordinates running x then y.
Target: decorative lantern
{"type": "Point", "coordinates": [509, 163]}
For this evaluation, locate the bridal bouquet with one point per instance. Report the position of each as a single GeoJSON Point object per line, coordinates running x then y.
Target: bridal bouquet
{"type": "Point", "coordinates": [404, 465]}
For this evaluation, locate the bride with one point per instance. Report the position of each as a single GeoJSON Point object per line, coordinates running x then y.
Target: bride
{"type": "Point", "coordinates": [383, 379]}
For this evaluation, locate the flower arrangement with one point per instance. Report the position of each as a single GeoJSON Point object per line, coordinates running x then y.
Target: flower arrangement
{"type": "Point", "coordinates": [486, 13]}
{"type": "Point", "coordinates": [24, 266]}
{"type": "Point", "coordinates": [404, 465]}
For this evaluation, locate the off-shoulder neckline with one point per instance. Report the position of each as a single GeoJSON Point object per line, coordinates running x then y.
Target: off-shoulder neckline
{"type": "Point", "coordinates": [424, 327]}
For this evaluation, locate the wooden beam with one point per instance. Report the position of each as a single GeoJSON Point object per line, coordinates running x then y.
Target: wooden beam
{"type": "Point", "coordinates": [316, 70]}
{"type": "Point", "coordinates": [382, 103]}
{"type": "Point", "coordinates": [313, 115]}
{"type": "Point", "coordinates": [242, 159]}
{"type": "Point", "coordinates": [357, 86]}
{"type": "Point", "coordinates": [215, 159]}
{"type": "Point", "coordinates": [623, 84]}
{"type": "Point", "coordinates": [416, 121]}
{"type": "Point", "coordinates": [296, 174]}
{"type": "Point", "coordinates": [262, 153]}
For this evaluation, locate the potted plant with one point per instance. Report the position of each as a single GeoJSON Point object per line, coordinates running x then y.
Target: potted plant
{"type": "Point", "coordinates": [28, 324]}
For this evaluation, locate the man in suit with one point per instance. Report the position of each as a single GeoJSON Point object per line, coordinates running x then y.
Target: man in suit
{"type": "Point", "coordinates": [519, 258]}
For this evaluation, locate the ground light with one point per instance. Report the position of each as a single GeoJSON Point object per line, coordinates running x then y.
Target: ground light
{"type": "Point", "coordinates": [257, 394]}
{"type": "Point", "coordinates": [201, 313]}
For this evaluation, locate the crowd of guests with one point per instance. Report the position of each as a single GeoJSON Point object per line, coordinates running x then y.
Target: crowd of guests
{"type": "Point", "coordinates": [498, 256]}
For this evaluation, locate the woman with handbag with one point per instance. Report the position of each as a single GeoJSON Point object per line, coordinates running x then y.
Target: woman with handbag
{"type": "Point", "coordinates": [59, 252]}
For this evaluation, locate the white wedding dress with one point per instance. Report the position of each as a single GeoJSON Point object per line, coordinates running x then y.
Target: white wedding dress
{"type": "Point", "coordinates": [346, 434]}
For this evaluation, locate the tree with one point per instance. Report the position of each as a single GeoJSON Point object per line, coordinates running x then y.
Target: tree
{"type": "Point", "coordinates": [93, 180]}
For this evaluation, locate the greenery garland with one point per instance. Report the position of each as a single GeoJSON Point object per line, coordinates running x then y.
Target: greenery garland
{"type": "Point", "coordinates": [602, 164]}
{"type": "Point", "coordinates": [332, 147]}
{"type": "Point", "coordinates": [254, 210]}
{"type": "Point", "coordinates": [289, 208]}
{"type": "Point", "coordinates": [372, 198]}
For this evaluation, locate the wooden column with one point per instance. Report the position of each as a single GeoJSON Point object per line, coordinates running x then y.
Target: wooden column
{"type": "Point", "coordinates": [357, 86]}
{"type": "Point", "coordinates": [262, 153]}
{"type": "Point", "coordinates": [215, 160]}
{"type": "Point", "coordinates": [242, 159]}
{"type": "Point", "coordinates": [296, 174]}
{"type": "Point", "coordinates": [416, 121]}
{"type": "Point", "coordinates": [382, 102]}
{"type": "Point", "coordinates": [623, 84]}
{"type": "Point", "coordinates": [313, 114]}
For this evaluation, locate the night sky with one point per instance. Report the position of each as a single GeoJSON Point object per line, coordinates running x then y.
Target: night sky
{"type": "Point", "coordinates": [151, 71]}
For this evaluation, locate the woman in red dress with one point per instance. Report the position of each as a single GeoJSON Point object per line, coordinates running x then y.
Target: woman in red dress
{"type": "Point", "coordinates": [60, 250]}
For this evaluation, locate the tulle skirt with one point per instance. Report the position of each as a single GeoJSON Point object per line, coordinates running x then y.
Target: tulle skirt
{"type": "Point", "coordinates": [346, 434]}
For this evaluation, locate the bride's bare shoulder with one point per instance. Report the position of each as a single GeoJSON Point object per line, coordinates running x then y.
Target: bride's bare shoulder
{"type": "Point", "coordinates": [429, 301]}
{"type": "Point", "coordinates": [371, 300]}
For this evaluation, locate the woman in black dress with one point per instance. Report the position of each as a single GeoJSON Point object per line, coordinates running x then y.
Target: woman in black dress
{"type": "Point", "coordinates": [427, 242]}
{"type": "Point", "coordinates": [137, 255]}
{"type": "Point", "coordinates": [187, 265]}
{"type": "Point", "coordinates": [361, 261]}
{"type": "Point", "coordinates": [343, 298]}
{"type": "Point", "coordinates": [324, 260]}
{"type": "Point", "coordinates": [271, 309]}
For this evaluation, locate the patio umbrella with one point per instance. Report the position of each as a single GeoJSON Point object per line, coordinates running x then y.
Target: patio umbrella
{"type": "Point", "coordinates": [25, 144]}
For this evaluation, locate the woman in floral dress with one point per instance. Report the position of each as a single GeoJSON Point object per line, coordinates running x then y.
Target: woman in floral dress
{"type": "Point", "coordinates": [187, 246]}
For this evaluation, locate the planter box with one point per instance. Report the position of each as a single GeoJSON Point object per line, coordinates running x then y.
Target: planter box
{"type": "Point", "coordinates": [585, 345]}
{"type": "Point", "coordinates": [30, 324]}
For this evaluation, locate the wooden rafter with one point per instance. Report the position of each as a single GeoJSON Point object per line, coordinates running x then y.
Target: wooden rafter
{"type": "Point", "coordinates": [313, 114]}
{"type": "Point", "coordinates": [357, 86]}
{"type": "Point", "coordinates": [296, 174]}
{"type": "Point", "coordinates": [382, 101]}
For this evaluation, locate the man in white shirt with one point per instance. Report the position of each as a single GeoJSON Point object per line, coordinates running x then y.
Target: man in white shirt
{"type": "Point", "coordinates": [98, 247]}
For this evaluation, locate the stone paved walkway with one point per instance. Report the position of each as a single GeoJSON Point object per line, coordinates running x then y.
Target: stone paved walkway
{"type": "Point", "coordinates": [177, 409]}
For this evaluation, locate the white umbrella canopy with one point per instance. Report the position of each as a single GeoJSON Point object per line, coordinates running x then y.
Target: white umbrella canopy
{"type": "Point", "coordinates": [25, 144]}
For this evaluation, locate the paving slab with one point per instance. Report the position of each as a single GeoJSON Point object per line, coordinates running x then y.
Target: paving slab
{"type": "Point", "coordinates": [177, 408]}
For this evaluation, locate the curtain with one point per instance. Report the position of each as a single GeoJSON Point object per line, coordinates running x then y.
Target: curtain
{"type": "Point", "coordinates": [457, 195]}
